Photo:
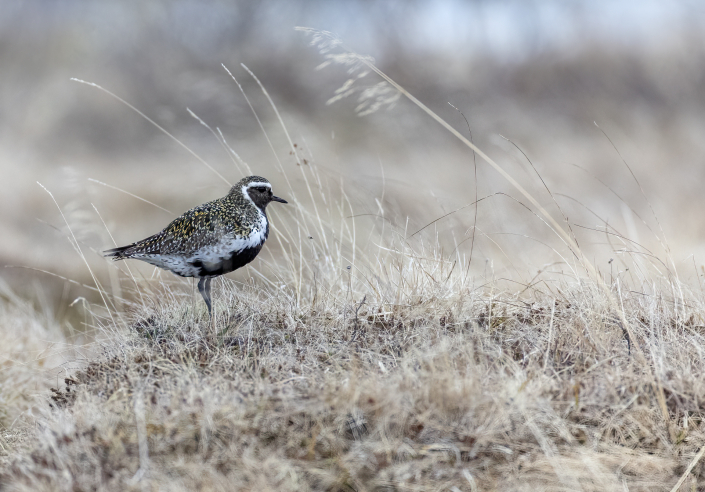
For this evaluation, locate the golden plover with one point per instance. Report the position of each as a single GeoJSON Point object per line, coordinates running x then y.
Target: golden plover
{"type": "Point", "coordinates": [212, 239]}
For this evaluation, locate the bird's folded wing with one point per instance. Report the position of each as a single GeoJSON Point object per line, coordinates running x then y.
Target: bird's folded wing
{"type": "Point", "coordinates": [196, 229]}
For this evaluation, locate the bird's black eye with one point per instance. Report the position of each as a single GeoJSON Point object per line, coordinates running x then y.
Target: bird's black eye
{"type": "Point", "coordinates": [261, 189]}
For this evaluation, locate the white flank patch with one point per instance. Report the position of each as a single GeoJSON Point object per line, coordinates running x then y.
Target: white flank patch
{"type": "Point", "coordinates": [176, 264]}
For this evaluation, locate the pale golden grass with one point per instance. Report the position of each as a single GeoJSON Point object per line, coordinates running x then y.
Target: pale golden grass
{"type": "Point", "coordinates": [474, 390]}
{"type": "Point", "coordinates": [35, 354]}
{"type": "Point", "coordinates": [352, 356]}
{"type": "Point", "coordinates": [32, 347]}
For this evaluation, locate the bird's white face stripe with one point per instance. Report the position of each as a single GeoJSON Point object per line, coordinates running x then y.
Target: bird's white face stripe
{"type": "Point", "coordinates": [247, 195]}
{"type": "Point", "coordinates": [258, 184]}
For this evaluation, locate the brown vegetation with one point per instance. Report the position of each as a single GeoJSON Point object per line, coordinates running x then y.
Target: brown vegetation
{"type": "Point", "coordinates": [463, 388]}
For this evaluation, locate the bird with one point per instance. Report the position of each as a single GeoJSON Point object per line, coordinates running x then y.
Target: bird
{"type": "Point", "coordinates": [212, 239]}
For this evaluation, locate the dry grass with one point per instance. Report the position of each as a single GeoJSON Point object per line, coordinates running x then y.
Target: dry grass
{"type": "Point", "coordinates": [474, 390]}
{"type": "Point", "coordinates": [399, 373]}
{"type": "Point", "coordinates": [33, 346]}
{"type": "Point", "coordinates": [358, 357]}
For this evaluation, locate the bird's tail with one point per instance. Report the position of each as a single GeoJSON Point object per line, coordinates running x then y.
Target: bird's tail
{"type": "Point", "coordinates": [117, 253]}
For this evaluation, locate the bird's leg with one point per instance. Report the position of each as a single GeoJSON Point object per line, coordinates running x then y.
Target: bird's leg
{"type": "Point", "coordinates": [204, 287]}
{"type": "Point", "coordinates": [208, 293]}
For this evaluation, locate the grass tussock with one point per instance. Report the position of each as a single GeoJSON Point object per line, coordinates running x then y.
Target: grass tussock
{"type": "Point", "coordinates": [476, 391]}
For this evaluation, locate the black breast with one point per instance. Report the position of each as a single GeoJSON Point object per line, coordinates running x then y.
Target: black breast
{"type": "Point", "coordinates": [227, 265]}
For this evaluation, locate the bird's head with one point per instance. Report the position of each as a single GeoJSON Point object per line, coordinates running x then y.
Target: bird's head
{"type": "Point", "coordinates": [258, 190]}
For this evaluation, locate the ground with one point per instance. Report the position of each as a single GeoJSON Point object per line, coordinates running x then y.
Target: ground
{"type": "Point", "coordinates": [451, 388]}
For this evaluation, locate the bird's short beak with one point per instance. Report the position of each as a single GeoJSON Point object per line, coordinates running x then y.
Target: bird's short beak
{"type": "Point", "coordinates": [277, 199]}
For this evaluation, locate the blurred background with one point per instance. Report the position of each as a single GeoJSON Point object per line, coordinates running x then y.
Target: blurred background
{"type": "Point", "coordinates": [540, 73]}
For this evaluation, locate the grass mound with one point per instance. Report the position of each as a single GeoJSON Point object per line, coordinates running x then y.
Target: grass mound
{"type": "Point", "coordinates": [472, 391]}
